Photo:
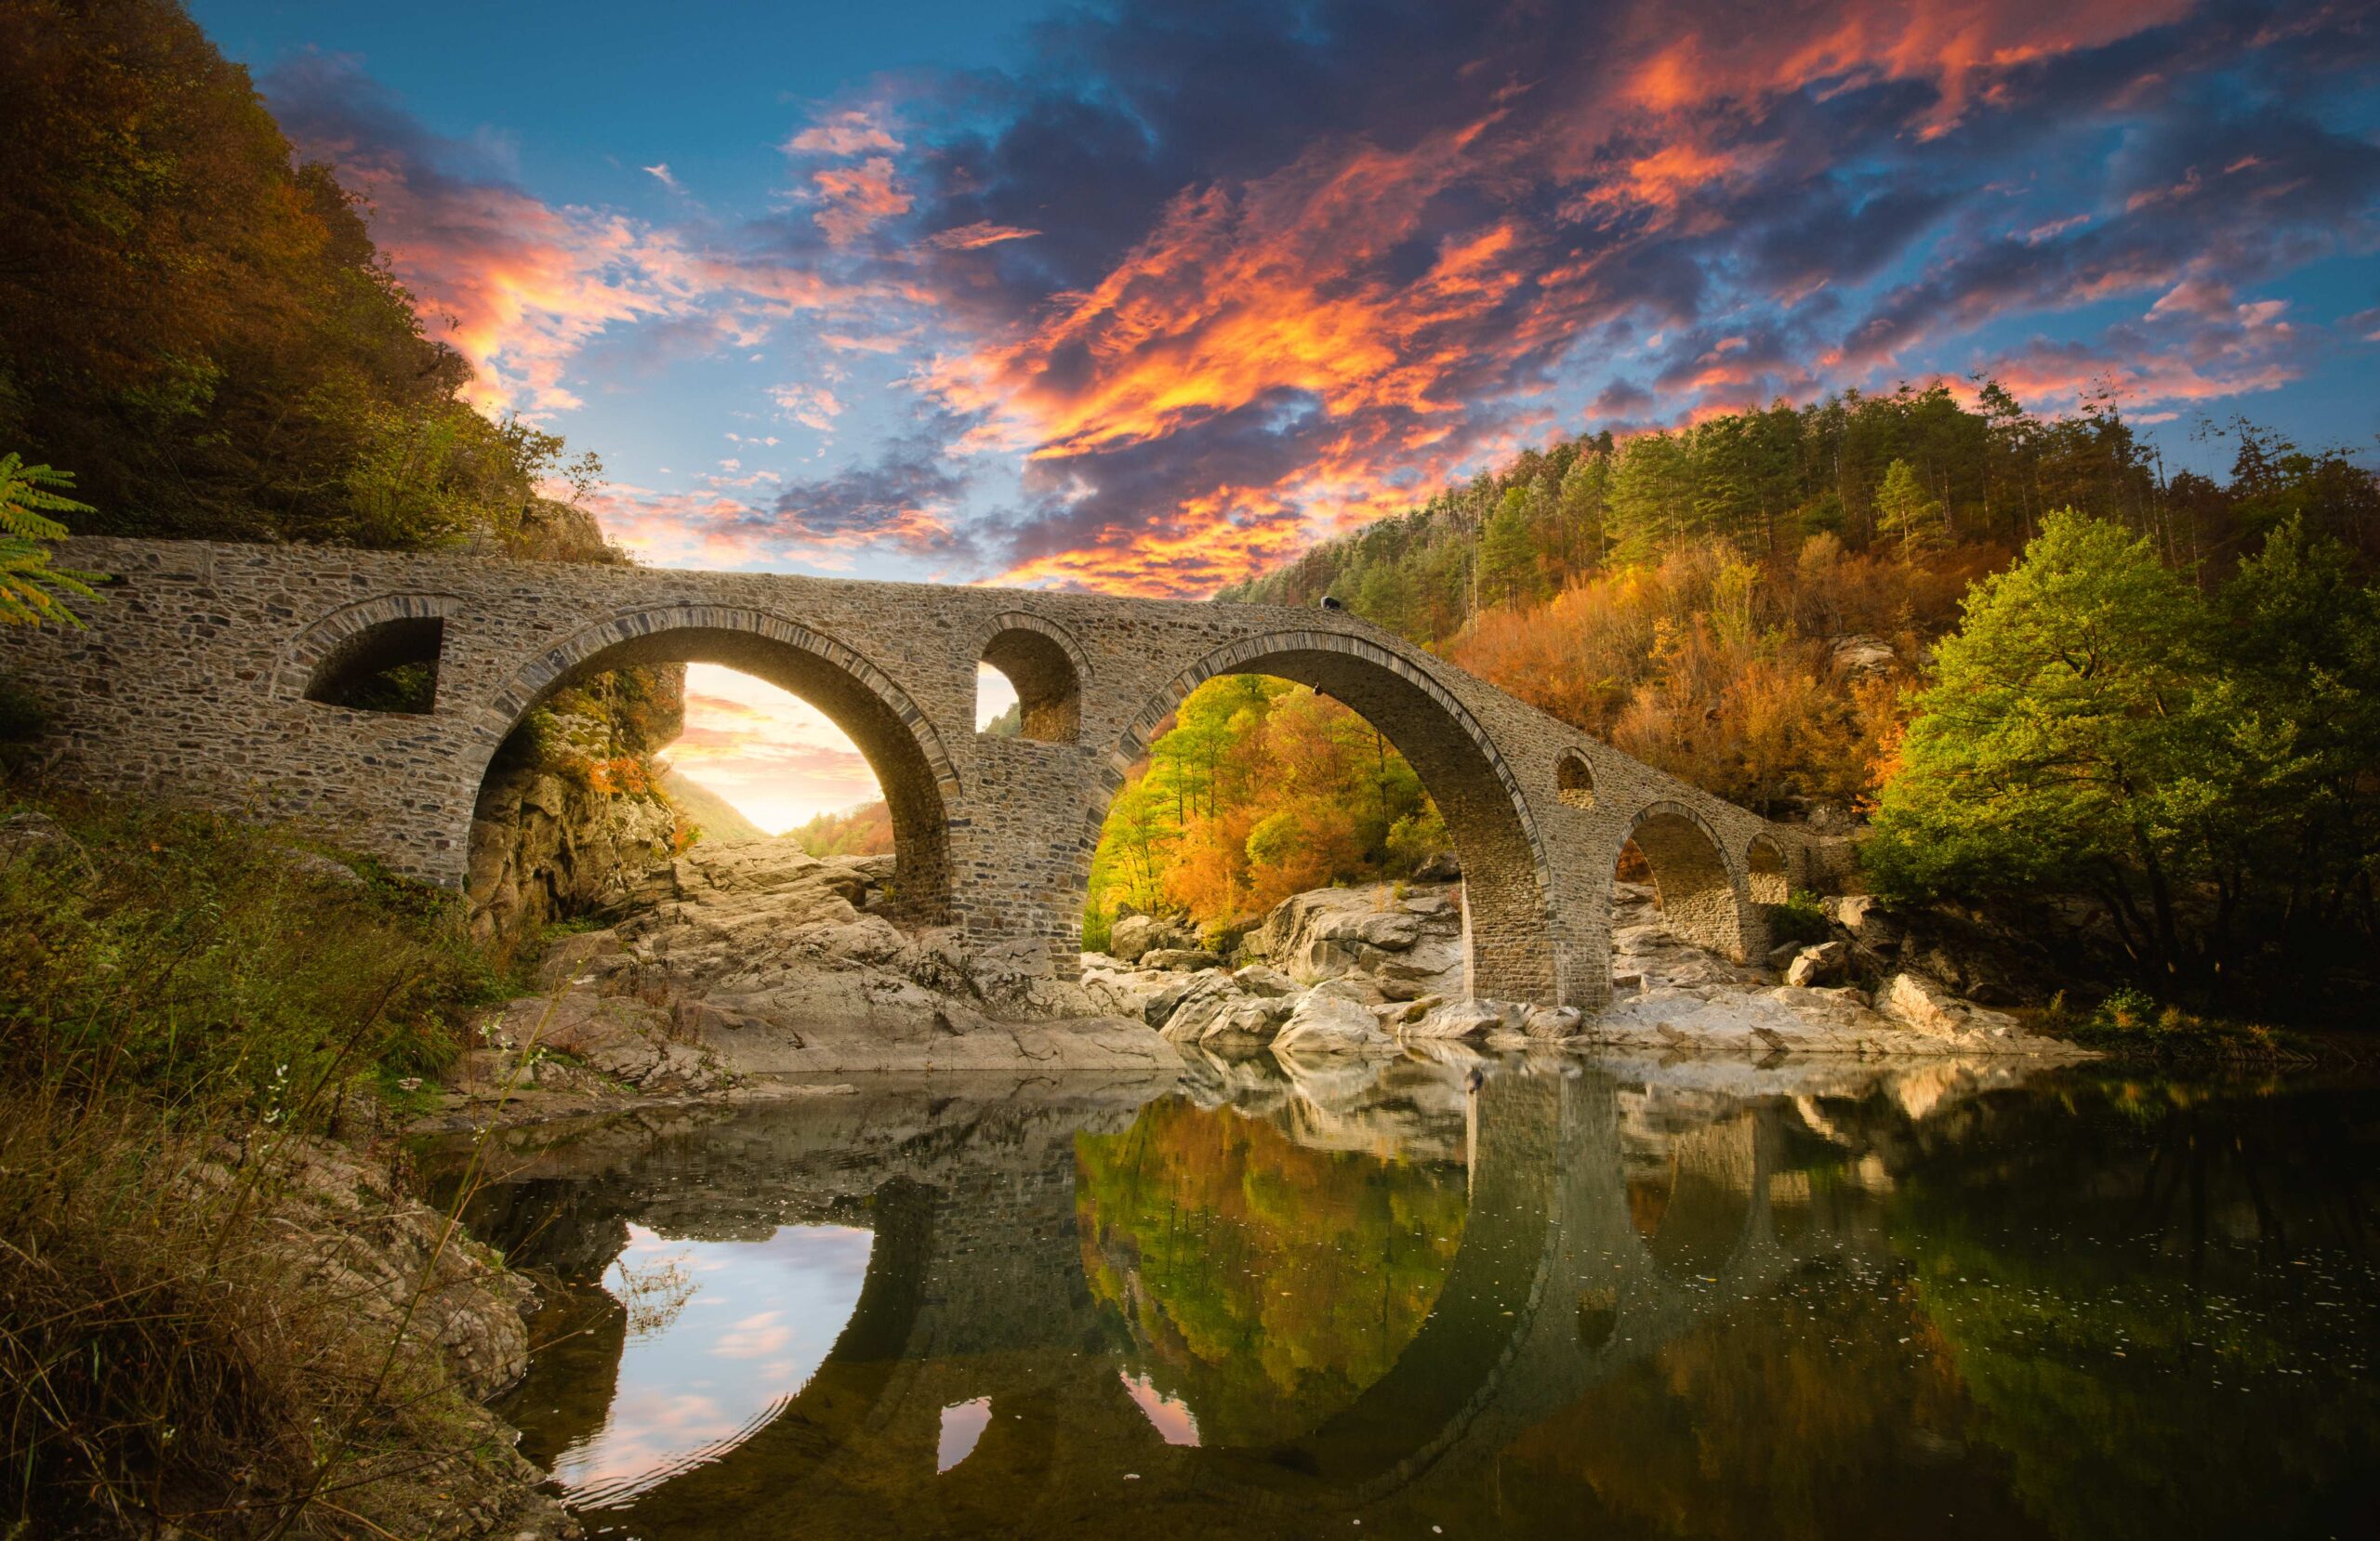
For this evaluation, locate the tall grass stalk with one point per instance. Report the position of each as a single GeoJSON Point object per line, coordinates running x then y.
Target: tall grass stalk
{"type": "Point", "coordinates": [205, 1318]}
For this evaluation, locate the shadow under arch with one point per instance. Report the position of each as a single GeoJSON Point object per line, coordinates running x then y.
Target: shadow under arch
{"type": "Point", "coordinates": [1702, 898]}
{"type": "Point", "coordinates": [890, 731]}
{"type": "Point", "coordinates": [1508, 946]}
{"type": "Point", "coordinates": [328, 638]}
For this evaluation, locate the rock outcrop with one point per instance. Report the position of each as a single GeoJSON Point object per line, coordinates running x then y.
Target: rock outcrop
{"type": "Point", "coordinates": [1686, 999]}
{"type": "Point", "coordinates": [571, 816]}
{"type": "Point", "coordinates": [745, 959]}
{"type": "Point", "coordinates": [1366, 969]}
{"type": "Point", "coordinates": [408, 1286]}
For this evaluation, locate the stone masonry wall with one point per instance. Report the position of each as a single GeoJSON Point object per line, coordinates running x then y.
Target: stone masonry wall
{"type": "Point", "coordinates": [191, 682]}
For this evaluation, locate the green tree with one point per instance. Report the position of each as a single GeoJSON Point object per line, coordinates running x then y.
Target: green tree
{"type": "Point", "coordinates": [2062, 744]}
{"type": "Point", "coordinates": [1905, 510]}
{"type": "Point", "coordinates": [1507, 556]}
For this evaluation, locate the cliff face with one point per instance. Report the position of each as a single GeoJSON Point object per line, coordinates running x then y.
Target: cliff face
{"type": "Point", "coordinates": [572, 814]}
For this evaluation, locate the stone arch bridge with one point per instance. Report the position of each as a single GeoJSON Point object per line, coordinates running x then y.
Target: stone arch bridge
{"type": "Point", "coordinates": [226, 676]}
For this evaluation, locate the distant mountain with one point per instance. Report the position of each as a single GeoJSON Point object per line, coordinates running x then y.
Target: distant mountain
{"type": "Point", "coordinates": [709, 812]}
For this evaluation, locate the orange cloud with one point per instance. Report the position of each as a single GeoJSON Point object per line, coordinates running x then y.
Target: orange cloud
{"type": "Point", "coordinates": [858, 198]}
{"type": "Point", "coordinates": [851, 132]}
{"type": "Point", "coordinates": [1953, 44]}
{"type": "Point", "coordinates": [1234, 296]}
{"type": "Point", "coordinates": [982, 233]}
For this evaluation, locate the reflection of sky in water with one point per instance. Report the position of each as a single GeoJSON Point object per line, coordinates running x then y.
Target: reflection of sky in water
{"type": "Point", "coordinates": [1168, 1415]}
{"type": "Point", "coordinates": [761, 1317]}
{"type": "Point", "coordinates": [962, 1424]}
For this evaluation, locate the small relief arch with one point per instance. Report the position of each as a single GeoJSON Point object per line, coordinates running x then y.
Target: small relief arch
{"type": "Point", "coordinates": [1766, 876]}
{"type": "Point", "coordinates": [1574, 781]}
{"type": "Point", "coordinates": [1047, 670]}
{"type": "Point", "coordinates": [380, 655]}
{"type": "Point", "coordinates": [1697, 894]}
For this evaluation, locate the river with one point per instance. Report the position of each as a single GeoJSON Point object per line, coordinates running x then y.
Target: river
{"type": "Point", "coordinates": [1555, 1297]}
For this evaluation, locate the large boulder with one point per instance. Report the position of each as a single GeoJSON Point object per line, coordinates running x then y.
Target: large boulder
{"type": "Point", "coordinates": [1473, 1019]}
{"type": "Point", "coordinates": [1259, 980]}
{"type": "Point", "coordinates": [1822, 965]}
{"type": "Point", "coordinates": [1409, 944]}
{"type": "Point", "coordinates": [620, 1039]}
{"type": "Point", "coordinates": [1922, 1004]}
{"type": "Point", "coordinates": [1865, 918]}
{"type": "Point", "coordinates": [1134, 935]}
{"type": "Point", "coordinates": [1324, 1021]}
{"type": "Point", "coordinates": [1179, 959]}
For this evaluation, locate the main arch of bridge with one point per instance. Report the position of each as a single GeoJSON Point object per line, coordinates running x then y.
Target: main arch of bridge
{"type": "Point", "coordinates": [218, 675]}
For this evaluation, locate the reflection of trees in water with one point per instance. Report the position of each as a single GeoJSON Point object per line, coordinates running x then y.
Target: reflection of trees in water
{"type": "Point", "coordinates": [1820, 1409]}
{"type": "Point", "coordinates": [1267, 1285]}
{"type": "Point", "coordinates": [2126, 1311]}
{"type": "Point", "coordinates": [2164, 1310]}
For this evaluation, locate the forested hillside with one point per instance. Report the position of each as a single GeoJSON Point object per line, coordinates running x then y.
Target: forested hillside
{"type": "Point", "coordinates": [199, 339]}
{"type": "Point", "coordinates": [200, 330]}
{"type": "Point", "coordinates": [1754, 604]}
{"type": "Point", "coordinates": [1910, 473]}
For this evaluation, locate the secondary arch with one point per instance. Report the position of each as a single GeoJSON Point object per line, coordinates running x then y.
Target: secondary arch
{"type": "Point", "coordinates": [1508, 948]}
{"type": "Point", "coordinates": [1700, 896]}
{"type": "Point", "coordinates": [891, 733]}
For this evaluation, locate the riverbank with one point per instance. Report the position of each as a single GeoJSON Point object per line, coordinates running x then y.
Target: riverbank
{"type": "Point", "coordinates": [223, 1311]}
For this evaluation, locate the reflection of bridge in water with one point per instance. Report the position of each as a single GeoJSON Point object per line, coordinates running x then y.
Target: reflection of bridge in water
{"type": "Point", "coordinates": [1568, 1272]}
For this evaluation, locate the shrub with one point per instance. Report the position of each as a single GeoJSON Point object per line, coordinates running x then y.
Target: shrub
{"type": "Point", "coordinates": [1800, 918]}
{"type": "Point", "coordinates": [185, 956]}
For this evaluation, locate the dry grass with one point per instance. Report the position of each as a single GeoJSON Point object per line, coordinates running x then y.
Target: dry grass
{"type": "Point", "coordinates": [215, 1321]}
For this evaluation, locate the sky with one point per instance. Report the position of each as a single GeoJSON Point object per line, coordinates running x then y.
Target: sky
{"type": "Point", "coordinates": [1146, 297]}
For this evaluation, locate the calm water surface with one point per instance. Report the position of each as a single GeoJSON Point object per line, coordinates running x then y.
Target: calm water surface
{"type": "Point", "coordinates": [1581, 1299]}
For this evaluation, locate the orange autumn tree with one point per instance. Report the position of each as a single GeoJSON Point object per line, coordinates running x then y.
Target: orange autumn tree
{"type": "Point", "coordinates": [1259, 790]}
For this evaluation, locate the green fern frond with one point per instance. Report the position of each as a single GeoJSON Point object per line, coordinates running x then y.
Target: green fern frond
{"type": "Point", "coordinates": [31, 588]}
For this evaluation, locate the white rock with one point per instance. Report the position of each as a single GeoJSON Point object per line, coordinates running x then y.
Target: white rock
{"type": "Point", "coordinates": [1820, 965]}
{"type": "Point", "coordinates": [1922, 1004]}
{"type": "Point", "coordinates": [1327, 1022]}
{"type": "Point", "coordinates": [1459, 1019]}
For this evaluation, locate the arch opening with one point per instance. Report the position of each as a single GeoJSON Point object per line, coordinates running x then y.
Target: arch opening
{"type": "Point", "coordinates": [1167, 1240]}
{"type": "Point", "coordinates": [1574, 781]}
{"type": "Point", "coordinates": [1473, 801]}
{"type": "Point", "coordinates": [755, 760]}
{"type": "Point", "coordinates": [1041, 675]}
{"type": "Point", "coordinates": [1673, 852]}
{"type": "Point", "coordinates": [390, 666]}
{"type": "Point", "coordinates": [1766, 875]}
{"type": "Point", "coordinates": [891, 738]}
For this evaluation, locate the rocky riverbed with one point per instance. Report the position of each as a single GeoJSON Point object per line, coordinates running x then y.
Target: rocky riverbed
{"type": "Point", "coordinates": [749, 969]}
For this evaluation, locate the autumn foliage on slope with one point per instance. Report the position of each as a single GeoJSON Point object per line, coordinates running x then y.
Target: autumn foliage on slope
{"type": "Point", "coordinates": [1261, 789]}
{"type": "Point", "coordinates": [203, 332]}
{"type": "Point", "coordinates": [1750, 604]}
{"type": "Point", "coordinates": [863, 831]}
